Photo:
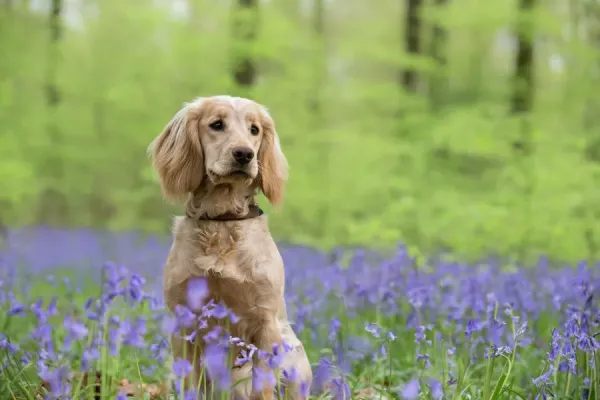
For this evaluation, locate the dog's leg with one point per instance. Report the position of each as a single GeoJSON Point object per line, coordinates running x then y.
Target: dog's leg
{"type": "Point", "coordinates": [242, 381]}
{"type": "Point", "coordinates": [299, 371]}
{"type": "Point", "coordinates": [268, 336]}
{"type": "Point", "coordinates": [296, 364]}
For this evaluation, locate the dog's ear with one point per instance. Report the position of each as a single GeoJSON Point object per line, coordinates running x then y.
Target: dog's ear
{"type": "Point", "coordinates": [273, 166]}
{"type": "Point", "coordinates": [177, 154]}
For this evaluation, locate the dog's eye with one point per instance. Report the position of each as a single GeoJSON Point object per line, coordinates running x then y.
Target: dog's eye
{"type": "Point", "coordinates": [217, 125]}
{"type": "Point", "coordinates": [254, 130]}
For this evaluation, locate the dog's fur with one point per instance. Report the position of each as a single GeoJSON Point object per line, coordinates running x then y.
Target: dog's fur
{"type": "Point", "coordinates": [238, 258]}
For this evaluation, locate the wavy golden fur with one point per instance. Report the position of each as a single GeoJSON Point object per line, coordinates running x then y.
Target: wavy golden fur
{"type": "Point", "coordinates": [214, 155]}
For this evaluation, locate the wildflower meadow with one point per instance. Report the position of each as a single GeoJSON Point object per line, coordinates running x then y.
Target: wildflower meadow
{"type": "Point", "coordinates": [83, 318]}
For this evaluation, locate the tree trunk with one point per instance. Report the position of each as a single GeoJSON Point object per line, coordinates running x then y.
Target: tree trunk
{"type": "Point", "coordinates": [53, 206]}
{"type": "Point", "coordinates": [52, 94]}
{"type": "Point", "coordinates": [437, 81]}
{"type": "Point", "coordinates": [521, 106]}
{"type": "Point", "coordinates": [244, 32]}
{"type": "Point", "coordinates": [591, 9]}
{"type": "Point", "coordinates": [320, 60]}
{"type": "Point", "coordinates": [318, 112]}
{"type": "Point", "coordinates": [412, 40]}
{"type": "Point", "coordinates": [522, 101]}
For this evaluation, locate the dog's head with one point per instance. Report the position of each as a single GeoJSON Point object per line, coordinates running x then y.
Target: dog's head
{"type": "Point", "coordinates": [220, 140]}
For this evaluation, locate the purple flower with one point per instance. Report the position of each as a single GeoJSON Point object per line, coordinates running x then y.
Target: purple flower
{"type": "Point", "coordinates": [274, 360]}
{"type": "Point", "coordinates": [190, 395]}
{"type": "Point", "coordinates": [42, 333]}
{"type": "Point", "coordinates": [587, 343]}
{"type": "Point", "coordinates": [304, 390]}
{"type": "Point", "coordinates": [411, 390]}
{"type": "Point", "coordinates": [148, 371]}
{"type": "Point", "coordinates": [340, 389]}
{"type": "Point", "coordinates": [572, 327]}
{"type": "Point", "coordinates": [544, 379]}
{"type": "Point", "coordinates": [424, 357]}
{"type": "Point", "coordinates": [437, 390]}
{"type": "Point", "coordinates": [51, 309]}
{"type": "Point", "coordinates": [37, 309]}
{"type": "Point", "coordinates": [234, 319]}
{"type": "Point", "coordinates": [17, 309]}
{"type": "Point", "coordinates": [134, 332]}
{"type": "Point", "coordinates": [213, 334]}
{"type": "Point", "coordinates": [88, 303]}
{"type": "Point", "coordinates": [245, 355]}
{"type": "Point", "coordinates": [182, 368]}
{"type": "Point", "coordinates": [215, 362]}
{"type": "Point", "coordinates": [56, 380]}
{"type": "Point", "coordinates": [421, 336]}
{"type": "Point", "coordinates": [262, 378]}
{"type": "Point", "coordinates": [197, 292]}
{"type": "Point", "coordinates": [6, 344]}
{"type": "Point", "coordinates": [168, 325]}
{"type": "Point", "coordinates": [373, 329]}
{"type": "Point", "coordinates": [291, 375]}
{"type": "Point", "coordinates": [190, 338]}
{"type": "Point", "coordinates": [323, 373]}
{"type": "Point", "coordinates": [75, 329]}
{"type": "Point", "coordinates": [136, 281]}
{"type": "Point", "coordinates": [184, 316]}
{"type": "Point", "coordinates": [236, 340]}
{"type": "Point", "coordinates": [472, 326]}
{"type": "Point", "coordinates": [334, 328]}
{"type": "Point", "coordinates": [220, 311]}
{"type": "Point", "coordinates": [88, 356]}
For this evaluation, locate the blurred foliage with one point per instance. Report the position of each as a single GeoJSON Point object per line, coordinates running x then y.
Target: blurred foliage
{"type": "Point", "coordinates": [371, 163]}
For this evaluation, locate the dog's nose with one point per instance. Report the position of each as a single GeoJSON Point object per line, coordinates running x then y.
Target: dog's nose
{"type": "Point", "coordinates": [242, 155]}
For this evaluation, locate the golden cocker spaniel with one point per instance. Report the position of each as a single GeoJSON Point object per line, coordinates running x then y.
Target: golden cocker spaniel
{"type": "Point", "coordinates": [215, 155]}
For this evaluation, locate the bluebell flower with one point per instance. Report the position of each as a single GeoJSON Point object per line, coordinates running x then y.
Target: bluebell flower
{"type": "Point", "coordinates": [373, 329]}
{"type": "Point", "coordinates": [544, 379]}
{"type": "Point", "coordinates": [436, 389]}
{"type": "Point", "coordinates": [6, 344]}
{"type": "Point", "coordinates": [215, 362]}
{"type": "Point", "coordinates": [587, 343]}
{"type": "Point", "coordinates": [340, 390]}
{"type": "Point", "coordinates": [262, 378]}
{"type": "Point", "coordinates": [197, 293]}
{"type": "Point", "coordinates": [75, 329]}
{"type": "Point", "coordinates": [185, 317]}
{"type": "Point", "coordinates": [213, 335]}
{"type": "Point", "coordinates": [472, 326]}
{"type": "Point", "coordinates": [181, 368]}
{"type": "Point", "coordinates": [57, 380]}
{"type": "Point", "coordinates": [572, 327]}
{"type": "Point", "coordinates": [323, 373]}
{"type": "Point", "coordinates": [220, 311]}
{"type": "Point", "coordinates": [16, 309]}
{"type": "Point", "coordinates": [411, 390]}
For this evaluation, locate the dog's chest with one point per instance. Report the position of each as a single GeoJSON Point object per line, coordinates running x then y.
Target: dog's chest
{"type": "Point", "coordinates": [244, 271]}
{"type": "Point", "coordinates": [229, 253]}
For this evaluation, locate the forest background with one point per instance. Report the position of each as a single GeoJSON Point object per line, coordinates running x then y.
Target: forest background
{"type": "Point", "coordinates": [442, 124]}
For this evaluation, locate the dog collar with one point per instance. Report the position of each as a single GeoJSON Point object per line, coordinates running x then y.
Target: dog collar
{"type": "Point", "coordinates": [253, 211]}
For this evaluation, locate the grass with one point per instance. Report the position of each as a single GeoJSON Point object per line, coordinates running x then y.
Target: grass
{"type": "Point", "coordinates": [381, 329]}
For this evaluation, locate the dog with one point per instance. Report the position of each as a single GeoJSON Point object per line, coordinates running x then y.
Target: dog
{"type": "Point", "coordinates": [215, 155]}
